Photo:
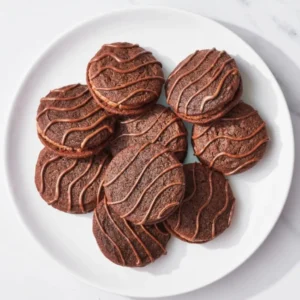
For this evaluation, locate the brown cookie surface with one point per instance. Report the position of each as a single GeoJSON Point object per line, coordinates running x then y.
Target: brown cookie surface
{"type": "Point", "coordinates": [159, 125]}
{"type": "Point", "coordinates": [70, 122]}
{"type": "Point", "coordinates": [72, 185]}
{"type": "Point", "coordinates": [204, 86]}
{"type": "Point", "coordinates": [234, 143]}
{"type": "Point", "coordinates": [125, 78]}
{"type": "Point", "coordinates": [144, 184]}
{"type": "Point", "coordinates": [207, 208]}
{"type": "Point", "coordinates": [127, 244]}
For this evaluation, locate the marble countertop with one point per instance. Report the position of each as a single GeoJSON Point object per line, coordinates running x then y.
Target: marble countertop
{"type": "Point", "coordinates": [271, 27]}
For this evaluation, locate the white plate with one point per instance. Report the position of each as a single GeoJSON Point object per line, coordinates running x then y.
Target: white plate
{"type": "Point", "coordinates": [261, 192]}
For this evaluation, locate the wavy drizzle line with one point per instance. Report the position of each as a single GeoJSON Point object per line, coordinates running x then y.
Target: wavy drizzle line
{"type": "Point", "coordinates": [138, 259]}
{"type": "Point", "coordinates": [81, 205]}
{"type": "Point", "coordinates": [182, 66]}
{"type": "Point", "coordinates": [57, 189]}
{"type": "Point", "coordinates": [252, 113]}
{"type": "Point", "coordinates": [165, 127]}
{"type": "Point", "coordinates": [187, 72]}
{"type": "Point", "coordinates": [122, 86]}
{"type": "Point", "coordinates": [71, 108]}
{"type": "Point", "coordinates": [139, 177]}
{"type": "Point", "coordinates": [99, 191]}
{"type": "Point", "coordinates": [146, 130]}
{"type": "Point", "coordinates": [88, 137]}
{"type": "Point", "coordinates": [130, 96]}
{"type": "Point", "coordinates": [220, 212]}
{"type": "Point", "coordinates": [203, 206]}
{"type": "Point", "coordinates": [238, 155]}
{"type": "Point", "coordinates": [188, 198]}
{"type": "Point", "coordinates": [71, 120]}
{"type": "Point", "coordinates": [148, 187]}
{"type": "Point", "coordinates": [197, 79]}
{"type": "Point", "coordinates": [42, 186]}
{"type": "Point", "coordinates": [155, 198]}
{"type": "Point", "coordinates": [233, 71]}
{"type": "Point", "coordinates": [133, 119]}
{"type": "Point", "coordinates": [254, 133]}
{"type": "Point", "coordinates": [194, 137]}
{"type": "Point", "coordinates": [121, 71]}
{"type": "Point", "coordinates": [154, 239]}
{"type": "Point", "coordinates": [121, 46]}
{"type": "Point", "coordinates": [175, 137]}
{"type": "Point", "coordinates": [65, 98]}
{"type": "Point", "coordinates": [66, 89]}
{"type": "Point", "coordinates": [139, 240]}
{"type": "Point", "coordinates": [110, 239]}
{"type": "Point", "coordinates": [76, 180]}
{"type": "Point", "coordinates": [129, 163]}
{"type": "Point", "coordinates": [118, 59]}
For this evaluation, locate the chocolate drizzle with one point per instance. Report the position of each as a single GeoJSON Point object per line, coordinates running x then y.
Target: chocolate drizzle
{"type": "Point", "coordinates": [90, 183]}
{"type": "Point", "coordinates": [186, 73]}
{"type": "Point", "coordinates": [66, 98]}
{"type": "Point", "coordinates": [121, 45]}
{"type": "Point", "coordinates": [209, 203]}
{"type": "Point", "coordinates": [136, 79]}
{"type": "Point", "coordinates": [232, 144]}
{"type": "Point", "coordinates": [124, 71]}
{"type": "Point", "coordinates": [260, 143]}
{"type": "Point", "coordinates": [59, 178]}
{"type": "Point", "coordinates": [262, 126]}
{"type": "Point", "coordinates": [135, 245]}
{"type": "Point", "coordinates": [206, 203]}
{"type": "Point", "coordinates": [76, 180]}
{"type": "Point", "coordinates": [160, 125]}
{"type": "Point", "coordinates": [138, 260]}
{"type": "Point", "coordinates": [110, 239]}
{"type": "Point", "coordinates": [188, 197]}
{"type": "Point", "coordinates": [79, 173]}
{"type": "Point", "coordinates": [155, 199]}
{"type": "Point", "coordinates": [118, 59]}
{"type": "Point", "coordinates": [71, 120]}
{"type": "Point", "coordinates": [144, 131]}
{"type": "Point", "coordinates": [64, 108]}
{"type": "Point", "coordinates": [126, 166]}
{"type": "Point", "coordinates": [220, 212]}
{"type": "Point", "coordinates": [83, 116]}
{"type": "Point", "coordinates": [42, 187]}
{"type": "Point", "coordinates": [200, 82]}
{"type": "Point", "coordinates": [139, 177]}
{"type": "Point", "coordinates": [162, 203]}
{"type": "Point", "coordinates": [122, 86]}
{"type": "Point", "coordinates": [148, 187]}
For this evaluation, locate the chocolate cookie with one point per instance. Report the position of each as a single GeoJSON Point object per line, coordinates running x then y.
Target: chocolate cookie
{"type": "Point", "coordinates": [204, 86]}
{"type": "Point", "coordinates": [72, 185]}
{"type": "Point", "coordinates": [234, 143]}
{"type": "Point", "coordinates": [159, 125]}
{"type": "Point", "coordinates": [124, 78]}
{"type": "Point", "coordinates": [71, 123]}
{"type": "Point", "coordinates": [207, 208]}
{"type": "Point", "coordinates": [127, 244]}
{"type": "Point", "coordinates": [144, 184]}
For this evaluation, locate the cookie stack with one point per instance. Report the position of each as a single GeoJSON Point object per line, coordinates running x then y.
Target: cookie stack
{"type": "Point", "coordinates": [109, 148]}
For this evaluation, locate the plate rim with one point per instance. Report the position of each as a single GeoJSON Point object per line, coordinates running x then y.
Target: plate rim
{"type": "Point", "coordinates": [31, 70]}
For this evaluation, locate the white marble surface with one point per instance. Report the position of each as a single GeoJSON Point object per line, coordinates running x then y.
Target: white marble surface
{"type": "Point", "coordinates": [271, 27]}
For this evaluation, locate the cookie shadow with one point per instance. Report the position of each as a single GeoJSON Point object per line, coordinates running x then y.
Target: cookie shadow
{"type": "Point", "coordinates": [166, 264]}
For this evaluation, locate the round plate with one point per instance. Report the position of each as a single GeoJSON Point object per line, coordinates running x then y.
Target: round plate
{"type": "Point", "coordinates": [260, 192]}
